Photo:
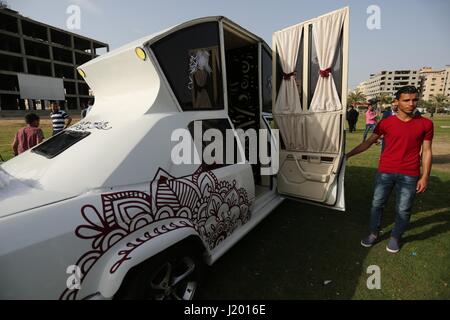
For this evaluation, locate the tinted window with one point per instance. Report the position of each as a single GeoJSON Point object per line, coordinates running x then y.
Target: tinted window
{"type": "Point", "coordinates": [266, 80]}
{"type": "Point", "coordinates": [313, 66]}
{"type": "Point", "coordinates": [337, 68]}
{"type": "Point", "coordinates": [279, 75]}
{"type": "Point", "coordinates": [190, 59]}
{"type": "Point", "coordinates": [299, 69]}
{"type": "Point", "coordinates": [243, 88]}
{"type": "Point", "coordinates": [222, 125]}
{"type": "Point", "coordinates": [57, 144]}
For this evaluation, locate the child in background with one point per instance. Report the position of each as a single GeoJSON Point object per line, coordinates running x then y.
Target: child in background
{"type": "Point", "coordinates": [29, 136]}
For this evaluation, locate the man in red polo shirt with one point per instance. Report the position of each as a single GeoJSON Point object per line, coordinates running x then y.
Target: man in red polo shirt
{"type": "Point", "coordinates": [407, 139]}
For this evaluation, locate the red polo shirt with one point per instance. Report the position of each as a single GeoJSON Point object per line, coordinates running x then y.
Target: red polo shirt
{"type": "Point", "coordinates": [402, 144]}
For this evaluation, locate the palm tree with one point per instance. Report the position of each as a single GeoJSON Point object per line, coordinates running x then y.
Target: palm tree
{"type": "Point", "coordinates": [384, 99]}
{"type": "Point", "coordinates": [439, 101]}
{"type": "Point", "coordinates": [427, 105]}
{"type": "Point", "coordinates": [356, 97]}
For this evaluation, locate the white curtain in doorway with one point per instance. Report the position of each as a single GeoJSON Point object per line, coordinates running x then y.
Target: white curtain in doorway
{"type": "Point", "coordinates": [287, 43]}
{"type": "Point", "coordinates": [327, 31]}
{"type": "Point", "coordinates": [287, 103]}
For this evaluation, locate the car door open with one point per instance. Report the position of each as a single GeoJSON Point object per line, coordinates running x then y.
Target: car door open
{"type": "Point", "coordinates": [310, 62]}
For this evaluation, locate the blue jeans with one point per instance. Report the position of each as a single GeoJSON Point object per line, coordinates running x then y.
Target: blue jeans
{"type": "Point", "coordinates": [405, 188]}
{"type": "Point", "coordinates": [369, 127]}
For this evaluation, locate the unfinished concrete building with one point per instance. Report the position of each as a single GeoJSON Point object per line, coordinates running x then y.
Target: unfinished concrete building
{"type": "Point", "coordinates": [38, 64]}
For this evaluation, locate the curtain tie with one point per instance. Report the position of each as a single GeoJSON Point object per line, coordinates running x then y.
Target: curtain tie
{"type": "Point", "coordinates": [325, 73]}
{"type": "Point", "coordinates": [287, 76]}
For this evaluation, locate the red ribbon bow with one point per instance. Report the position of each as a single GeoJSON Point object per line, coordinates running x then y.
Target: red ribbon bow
{"type": "Point", "coordinates": [287, 76]}
{"type": "Point", "coordinates": [325, 73]}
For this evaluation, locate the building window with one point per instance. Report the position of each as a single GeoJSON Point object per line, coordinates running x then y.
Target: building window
{"type": "Point", "coordinates": [190, 59]}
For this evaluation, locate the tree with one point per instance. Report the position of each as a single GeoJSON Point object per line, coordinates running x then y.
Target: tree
{"type": "Point", "coordinates": [427, 105]}
{"type": "Point", "coordinates": [356, 97]}
{"type": "Point", "coordinates": [439, 101]}
{"type": "Point", "coordinates": [384, 99]}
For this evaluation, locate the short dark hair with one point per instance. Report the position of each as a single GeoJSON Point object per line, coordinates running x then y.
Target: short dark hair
{"type": "Point", "coordinates": [31, 117]}
{"type": "Point", "coordinates": [405, 89]}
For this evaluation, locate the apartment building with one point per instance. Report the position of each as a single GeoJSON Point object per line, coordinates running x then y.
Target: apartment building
{"type": "Point", "coordinates": [429, 81]}
{"type": "Point", "coordinates": [434, 82]}
{"type": "Point", "coordinates": [388, 82]}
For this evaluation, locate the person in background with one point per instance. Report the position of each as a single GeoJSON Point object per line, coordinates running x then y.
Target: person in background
{"type": "Point", "coordinates": [59, 118]}
{"type": "Point", "coordinates": [390, 111]}
{"type": "Point", "coordinates": [29, 136]}
{"type": "Point", "coordinates": [408, 147]}
{"type": "Point", "coordinates": [352, 118]}
{"type": "Point", "coordinates": [371, 121]}
{"type": "Point", "coordinates": [86, 109]}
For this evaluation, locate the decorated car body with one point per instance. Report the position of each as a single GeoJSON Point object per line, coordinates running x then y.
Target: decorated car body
{"type": "Point", "coordinates": [92, 210]}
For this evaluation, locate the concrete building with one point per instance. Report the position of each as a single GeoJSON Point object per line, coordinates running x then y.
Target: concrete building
{"type": "Point", "coordinates": [388, 82]}
{"type": "Point", "coordinates": [434, 82]}
{"type": "Point", "coordinates": [32, 54]}
{"type": "Point", "coordinates": [445, 79]}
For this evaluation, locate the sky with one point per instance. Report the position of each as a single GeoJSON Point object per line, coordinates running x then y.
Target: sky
{"type": "Point", "coordinates": [411, 34]}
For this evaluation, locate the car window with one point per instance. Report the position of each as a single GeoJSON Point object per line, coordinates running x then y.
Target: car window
{"type": "Point", "coordinates": [190, 60]}
{"type": "Point", "coordinates": [222, 125]}
{"type": "Point", "coordinates": [266, 80]}
{"type": "Point", "coordinates": [58, 143]}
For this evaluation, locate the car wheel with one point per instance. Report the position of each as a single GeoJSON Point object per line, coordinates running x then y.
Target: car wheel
{"type": "Point", "coordinates": [174, 274]}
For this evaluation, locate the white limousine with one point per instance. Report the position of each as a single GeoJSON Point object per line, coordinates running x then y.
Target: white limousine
{"type": "Point", "coordinates": [101, 210]}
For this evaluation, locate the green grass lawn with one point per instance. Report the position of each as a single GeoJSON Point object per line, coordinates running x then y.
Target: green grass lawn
{"type": "Point", "coordinates": [8, 129]}
{"type": "Point", "coordinates": [298, 247]}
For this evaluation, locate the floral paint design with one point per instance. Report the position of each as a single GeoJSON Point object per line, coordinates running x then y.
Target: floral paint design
{"type": "Point", "coordinates": [213, 208]}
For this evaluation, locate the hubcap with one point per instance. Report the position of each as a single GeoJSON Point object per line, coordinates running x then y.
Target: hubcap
{"type": "Point", "coordinates": [173, 280]}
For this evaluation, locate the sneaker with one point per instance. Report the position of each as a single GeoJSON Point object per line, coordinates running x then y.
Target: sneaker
{"type": "Point", "coordinates": [369, 240]}
{"type": "Point", "coordinates": [393, 246]}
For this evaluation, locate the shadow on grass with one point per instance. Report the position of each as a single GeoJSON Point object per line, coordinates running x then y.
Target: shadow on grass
{"type": "Point", "coordinates": [299, 248]}
{"type": "Point", "coordinates": [440, 222]}
{"type": "Point", "coordinates": [441, 159]}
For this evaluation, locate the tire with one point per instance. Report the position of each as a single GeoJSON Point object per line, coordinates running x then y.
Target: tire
{"type": "Point", "coordinates": [174, 274]}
